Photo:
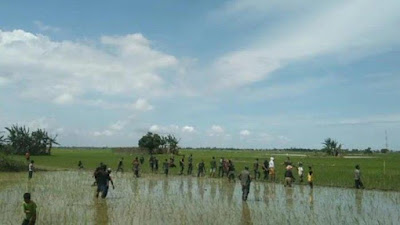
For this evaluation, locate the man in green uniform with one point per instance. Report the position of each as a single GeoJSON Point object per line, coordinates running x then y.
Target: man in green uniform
{"type": "Point", "coordinates": [190, 165]}
{"type": "Point", "coordinates": [29, 208]}
{"type": "Point", "coordinates": [245, 180]}
{"type": "Point", "coordinates": [201, 168]}
{"type": "Point", "coordinates": [182, 165]}
{"type": "Point", "coordinates": [166, 167]}
{"type": "Point", "coordinates": [256, 166]}
{"type": "Point", "coordinates": [213, 165]}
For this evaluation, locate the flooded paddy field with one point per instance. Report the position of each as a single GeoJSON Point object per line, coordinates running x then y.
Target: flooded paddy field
{"type": "Point", "coordinates": [68, 198]}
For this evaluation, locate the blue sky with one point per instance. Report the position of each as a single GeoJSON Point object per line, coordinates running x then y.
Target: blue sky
{"type": "Point", "coordinates": [244, 74]}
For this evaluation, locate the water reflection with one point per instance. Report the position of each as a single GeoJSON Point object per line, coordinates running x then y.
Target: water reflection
{"type": "Point", "coordinates": [246, 216]}
{"type": "Point", "coordinates": [101, 214]}
{"type": "Point", "coordinates": [359, 198]}
{"type": "Point", "coordinates": [230, 191]}
{"type": "Point", "coordinates": [201, 188]}
{"type": "Point", "coordinates": [311, 199]}
{"type": "Point", "coordinates": [213, 188]}
{"type": "Point", "coordinates": [189, 191]}
{"type": "Point", "coordinates": [165, 187]}
{"type": "Point", "coordinates": [289, 197]}
{"type": "Point", "coordinates": [256, 187]}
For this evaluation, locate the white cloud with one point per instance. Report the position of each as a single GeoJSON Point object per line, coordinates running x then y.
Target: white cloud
{"type": "Point", "coordinates": [171, 129]}
{"type": "Point", "coordinates": [349, 27]}
{"type": "Point", "coordinates": [103, 133]}
{"type": "Point", "coordinates": [142, 105]}
{"type": "Point", "coordinates": [119, 125]}
{"type": "Point", "coordinates": [188, 129]}
{"type": "Point", "coordinates": [44, 27]}
{"type": "Point", "coordinates": [217, 129]}
{"type": "Point", "coordinates": [67, 70]}
{"type": "Point", "coordinates": [64, 98]}
{"type": "Point", "coordinates": [154, 128]}
{"type": "Point", "coordinates": [244, 133]}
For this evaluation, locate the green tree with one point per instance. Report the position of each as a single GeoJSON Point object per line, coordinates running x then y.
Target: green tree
{"type": "Point", "coordinates": [384, 150]}
{"type": "Point", "coordinates": [150, 141]}
{"type": "Point", "coordinates": [368, 151]}
{"type": "Point", "coordinates": [21, 140]}
{"type": "Point", "coordinates": [172, 143]}
{"type": "Point", "coordinates": [331, 147]}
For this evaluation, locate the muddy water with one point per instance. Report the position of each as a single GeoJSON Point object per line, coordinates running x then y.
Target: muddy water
{"type": "Point", "coordinates": [68, 198]}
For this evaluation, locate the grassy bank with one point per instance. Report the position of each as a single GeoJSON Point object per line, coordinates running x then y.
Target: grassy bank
{"type": "Point", "coordinates": [379, 171]}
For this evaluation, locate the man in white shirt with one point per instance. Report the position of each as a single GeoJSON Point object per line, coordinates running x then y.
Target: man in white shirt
{"type": "Point", "coordinates": [271, 167]}
{"type": "Point", "coordinates": [31, 168]}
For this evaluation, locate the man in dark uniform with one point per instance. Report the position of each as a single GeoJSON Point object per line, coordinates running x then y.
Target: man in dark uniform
{"type": "Point", "coordinates": [221, 167]}
{"type": "Point", "coordinates": [190, 165]}
{"type": "Point", "coordinates": [182, 165]}
{"type": "Point", "coordinates": [256, 165]}
{"type": "Point", "coordinates": [166, 167]}
{"type": "Point", "coordinates": [245, 180]}
{"type": "Point", "coordinates": [201, 168]}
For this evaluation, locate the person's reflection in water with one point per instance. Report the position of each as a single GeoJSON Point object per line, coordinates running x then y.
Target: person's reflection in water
{"type": "Point", "coordinates": [230, 191]}
{"type": "Point", "coordinates": [101, 215]}
{"type": "Point", "coordinates": [152, 184]}
{"type": "Point", "coordinates": [359, 198]}
{"type": "Point", "coordinates": [189, 188]}
{"type": "Point", "coordinates": [289, 197]}
{"type": "Point", "coordinates": [213, 190]}
{"type": "Point", "coordinates": [256, 192]}
{"type": "Point", "coordinates": [272, 192]}
{"type": "Point", "coordinates": [165, 187]}
{"type": "Point", "coordinates": [311, 199]}
{"type": "Point", "coordinates": [201, 188]}
{"type": "Point", "coordinates": [246, 216]}
{"type": "Point", "coordinates": [267, 188]}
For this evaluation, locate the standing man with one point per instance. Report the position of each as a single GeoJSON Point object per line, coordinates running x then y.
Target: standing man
{"type": "Point", "coordinates": [271, 167]}
{"type": "Point", "coordinates": [141, 160]}
{"type": "Point", "coordinates": [201, 169]}
{"type": "Point", "coordinates": [357, 178]}
{"type": "Point", "coordinates": [221, 167]}
{"type": "Point", "coordinates": [310, 177]}
{"type": "Point", "coordinates": [136, 166]}
{"type": "Point", "coordinates": [182, 165]}
{"type": "Point", "coordinates": [256, 172]}
{"type": "Point", "coordinates": [155, 164]}
{"type": "Point", "coordinates": [288, 176]}
{"type": "Point", "coordinates": [190, 165]}
{"type": "Point", "coordinates": [151, 162]}
{"type": "Point", "coordinates": [80, 165]}
{"type": "Point", "coordinates": [245, 180]}
{"type": "Point", "coordinates": [265, 169]}
{"type": "Point", "coordinates": [213, 166]}
{"type": "Point", "coordinates": [27, 156]}
{"type": "Point", "coordinates": [120, 165]}
{"type": "Point", "coordinates": [103, 178]}
{"type": "Point", "coordinates": [231, 171]}
{"type": "Point", "coordinates": [166, 167]}
{"type": "Point", "coordinates": [300, 171]}
{"type": "Point", "coordinates": [31, 168]}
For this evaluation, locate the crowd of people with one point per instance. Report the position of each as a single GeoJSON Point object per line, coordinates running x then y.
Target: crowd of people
{"type": "Point", "coordinates": [222, 168]}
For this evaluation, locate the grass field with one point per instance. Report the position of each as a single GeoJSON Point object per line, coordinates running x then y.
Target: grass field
{"type": "Point", "coordinates": [379, 171]}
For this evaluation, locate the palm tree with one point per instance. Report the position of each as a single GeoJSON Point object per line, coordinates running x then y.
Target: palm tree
{"type": "Point", "coordinates": [332, 147]}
